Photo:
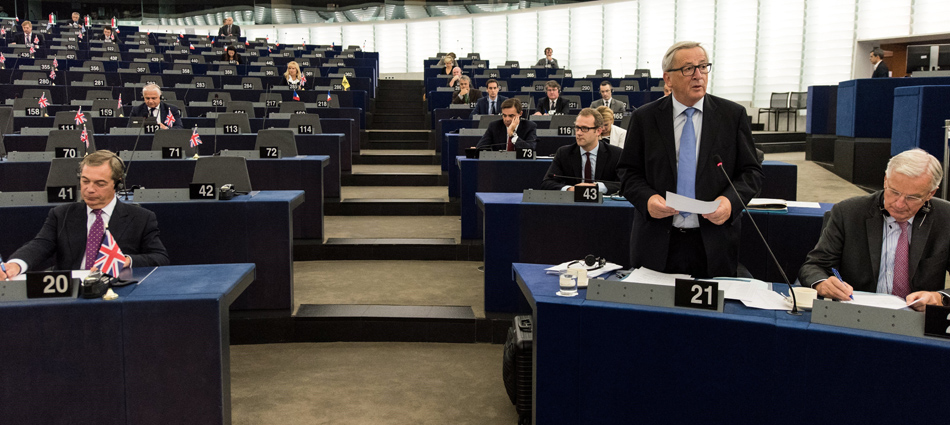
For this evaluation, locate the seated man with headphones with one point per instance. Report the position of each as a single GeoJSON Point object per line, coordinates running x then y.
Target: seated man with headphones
{"type": "Point", "coordinates": [64, 236]}
{"type": "Point", "coordinates": [895, 241]}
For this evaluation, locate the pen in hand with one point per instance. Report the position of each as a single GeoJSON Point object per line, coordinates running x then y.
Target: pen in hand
{"type": "Point", "coordinates": [4, 268]}
{"type": "Point", "coordinates": [838, 275]}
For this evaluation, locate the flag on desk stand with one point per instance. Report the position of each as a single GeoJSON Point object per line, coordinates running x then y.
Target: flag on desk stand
{"type": "Point", "coordinates": [119, 107]}
{"type": "Point", "coordinates": [110, 260]}
{"type": "Point", "coordinates": [52, 75]}
{"type": "Point", "coordinates": [191, 46]}
{"type": "Point", "coordinates": [80, 118]}
{"type": "Point", "coordinates": [3, 32]}
{"type": "Point", "coordinates": [195, 139]}
{"type": "Point", "coordinates": [3, 61]}
{"type": "Point", "coordinates": [247, 43]}
{"type": "Point", "coordinates": [44, 103]}
{"type": "Point", "coordinates": [345, 83]}
{"type": "Point", "coordinates": [32, 50]}
{"type": "Point", "coordinates": [296, 96]}
{"type": "Point", "coordinates": [303, 79]}
{"type": "Point", "coordinates": [329, 97]}
{"type": "Point", "coordinates": [36, 40]}
{"type": "Point", "coordinates": [87, 21]}
{"type": "Point", "coordinates": [84, 137]}
{"type": "Point", "coordinates": [52, 21]}
{"type": "Point", "coordinates": [170, 119]}
{"type": "Point", "coordinates": [55, 63]}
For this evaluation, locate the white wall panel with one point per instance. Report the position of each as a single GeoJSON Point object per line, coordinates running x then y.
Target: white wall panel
{"type": "Point", "coordinates": [734, 55]}
{"type": "Point", "coordinates": [522, 39]}
{"type": "Point", "coordinates": [422, 43]}
{"type": "Point", "coordinates": [829, 40]}
{"type": "Point", "coordinates": [883, 18]}
{"type": "Point", "coordinates": [587, 39]}
{"type": "Point", "coordinates": [554, 31]}
{"type": "Point", "coordinates": [657, 21]}
{"type": "Point", "coordinates": [931, 16]}
{"type": "Point", "coordinates": [391, 44]}
{"type": "Point", "coordinates": [621, 37]}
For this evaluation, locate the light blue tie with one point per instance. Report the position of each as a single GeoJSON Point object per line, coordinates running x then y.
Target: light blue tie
{"type": "Point", "coordinates": [686, 165]}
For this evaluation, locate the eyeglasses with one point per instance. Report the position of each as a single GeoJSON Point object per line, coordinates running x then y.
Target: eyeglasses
{"type": "Point", "coordinates": [689, 70]}
{"type": "Point", "coordinates": [909, 199]}
{"type": "Point", "coordinates": [581, 129]}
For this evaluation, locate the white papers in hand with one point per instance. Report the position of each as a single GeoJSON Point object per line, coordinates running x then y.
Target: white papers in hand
{"type": "Point", "coordinates": [872, 299]}
{"type": "Point", "coordinates": [561, 268]}
{"type": "Point", "coordinates": [683, 204]}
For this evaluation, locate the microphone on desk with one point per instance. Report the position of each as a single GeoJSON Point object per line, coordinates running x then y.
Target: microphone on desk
{"type": "Point", "coordinates": [266, 108]}
{"type": "Point", "coordinates": [124, 188]}
{"type": "Point", "coordinates": [794, 311]}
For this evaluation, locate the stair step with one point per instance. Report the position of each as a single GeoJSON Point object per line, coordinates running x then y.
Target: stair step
{"type": "Point", "coordinates": [399, 104]}
{"type": "Point", "coordinates": [394, 157]}
{"type": "Point", "coordinates": [414, 119]}
{"type": "Point", "coordinates": [422, 249]}
{"type": "Point", "coordinates": [393, 207]}
{"type": "Point", "coordinates": [402, 125]}
{"type": "Point", "coordinates": [397, 144]}
{"type": "Point", "coordinates": [394, 179]}
{"type": "Point", "coordinates": [385, 323]}
{"type": "Point", "coordinates": [408, 134]}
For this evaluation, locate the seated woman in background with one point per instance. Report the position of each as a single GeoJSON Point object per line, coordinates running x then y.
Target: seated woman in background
{"type": "Point", "coordinates": [231, 55]}
{"type": "Point", "coordinates": [448, 61]}
{"type": "Point", "coordinates": [293, 76]}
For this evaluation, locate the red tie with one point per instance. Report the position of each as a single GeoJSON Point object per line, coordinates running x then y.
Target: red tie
{"type": "Point", "coordinates": [511, 146]}
{"type": "Point", "coordinates": [588, 173]}
{"type": "Point", "coordinates": [901, 284]}
{"type": "Point", "coordinates": [94, 240]}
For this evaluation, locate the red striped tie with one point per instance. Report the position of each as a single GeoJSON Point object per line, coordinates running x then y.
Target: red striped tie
{"type": "Point", "coordinates": [901, 286]}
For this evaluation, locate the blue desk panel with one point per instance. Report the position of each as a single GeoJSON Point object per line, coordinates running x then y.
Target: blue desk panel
{"type": "Point", "coordinates": [472, 175]}
{"type": "Point", "coordinates": [158, 354]}
{"type": "Point", "coordinates": [822, 104]}
{"type": "Point", "coordinates": [866, 106]}
{"type": "Point", "coordinates": [919, 117]}
{"type": "Point", "coordinates": [551, 234]}
{"type": "Point", "coordinates": [246, 229]}
{"type": "Point", "coordinates": [626, 363]}
{"type": "Point", "coordinates": [297, 173]}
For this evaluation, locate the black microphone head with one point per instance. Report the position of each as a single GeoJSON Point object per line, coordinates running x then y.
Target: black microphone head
{"type": "Point", "coordinates": [718, 160]}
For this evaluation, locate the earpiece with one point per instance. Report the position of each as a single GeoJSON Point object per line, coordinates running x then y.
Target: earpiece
{"type": "Point", "coordinates": [591, 261]}
{"type": "Point", "coordinates": [120, 183]}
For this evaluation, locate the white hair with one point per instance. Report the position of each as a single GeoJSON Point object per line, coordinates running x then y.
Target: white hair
{"type": "Point", "coordinates": [152, 86]}
{"type": "Point", "coordinates": [914, 163]}
{"type": "Point", "coordinates": [668, 57]}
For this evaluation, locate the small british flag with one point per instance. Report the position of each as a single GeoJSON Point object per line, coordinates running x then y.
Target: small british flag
{"type": "Point", "coordinates": [120, 101]}
{"type": "Point", "coordinates": [52, 74]}
{"type": "Point", "coordinates": [111, 260]}
{"type": "Point", "coordinates": [303, 79]}
{"type": "Point", "coordinates": [32, 50]}
{"type": "Point", "coordinates": [3, 59]}
{"type": "Point", "coordinates": [170, 119]}
{"type": "Point", "coordinates": [44, 103]}
{"type": "Point", "coordinates": [55, 63]}
{"type": "Point", "coordinates": [84, 137]}
{"type": "Point", "coordinates": [80, 118]}
{"type": "Point", "coordinates": [195, 139]}
{"type": "Point", "coordinates": [36, 40]}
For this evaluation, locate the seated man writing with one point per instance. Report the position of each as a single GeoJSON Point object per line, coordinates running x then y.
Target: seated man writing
{"type": "Point", "coordinates": [894, 241]}
{"type": "Point", "coordinates": [73, 232]}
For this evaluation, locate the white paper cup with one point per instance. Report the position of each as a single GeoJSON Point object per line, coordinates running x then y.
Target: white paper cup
{"type": "Point", "coordinates": [805, 297]}
{"type": "Point", "coordinates": [581, 274]}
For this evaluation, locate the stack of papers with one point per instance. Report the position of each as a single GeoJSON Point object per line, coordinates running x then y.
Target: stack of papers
{"type": "Point", "coordinates": [872, 299]}
{"type": "Point", "coordinates": [768, 204]}
{"type": "Point", "coordinates": [561, 268]}
{"type": "Point", "coordinates": [733, 288]}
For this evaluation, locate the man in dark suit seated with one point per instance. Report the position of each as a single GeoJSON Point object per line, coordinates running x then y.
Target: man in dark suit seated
{"type": "Point", "coordinates": [491, 104]}
{"type": "Point", "coordinates": [894, 241]}
{"type": "Point", "coordinates": [74, 21]}
{"type": "Point", "coordinates": [547, 61]}
{"type": "Point", "coordinates": [466, 94]}
{"type": "Point", "coordinates": [552, 104]}
{"type": "Point", "coordinates": [66, 238]}
{"type": "Point", "coordinates": [27, 37]}
{"type": "Point", "coordinates": [670, 146]}
{"type": "Point", "coordinates": [108, 35]}
{"type": "Point", "coordinates": [155, 108]}
{"type": "Point", "coordinates": [510, 132]}
{"type": "Point", "coordinates": [880, 68]}
{"type": "Point", "coordinates": [229, 29]}
{"type": "Point", "coordinates": [588, 160]}
{"type": "Point", "coordinates": [606, 99]}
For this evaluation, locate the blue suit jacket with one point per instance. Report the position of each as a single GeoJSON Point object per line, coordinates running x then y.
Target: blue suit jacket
{"type": "Point", "coordinates": [481, 107]}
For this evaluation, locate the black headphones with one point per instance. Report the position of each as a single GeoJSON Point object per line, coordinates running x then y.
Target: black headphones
{"type": "Point", "coordinates": [120, 183]}
{"type": "Point", "coordinates": [591, 262]}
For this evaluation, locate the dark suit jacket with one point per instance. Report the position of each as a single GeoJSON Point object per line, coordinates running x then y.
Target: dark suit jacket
{"type": "Point", "coordinates": [648, 166]}
{"type": "Point", "coordinates": [142, 111]}
{"type": "Point", "coordinates": [481, 107]}
{"type": "Point", "coordinates": [19, 38]}
{"type": "Point", "coordinates": [496, 136]}
{"type": "Point", "coordinates": [852, 239]}
{"type": "Point", "coordinates": [562, 106]}
{"type": "Point", "coordinates": [881, 71]}
{"type": "Point", "coordinates": [63, 236]}
{"type": "Point", "coordinates": [101, 36]}
{"type": "Point", "coordinates": [235, 31]}
{"type": "Point", "coordinates": [473, 96]}
{"type": "Point", "coordinates": [544, 62]}
{"type": "Point", "coordinates": [567, 162]}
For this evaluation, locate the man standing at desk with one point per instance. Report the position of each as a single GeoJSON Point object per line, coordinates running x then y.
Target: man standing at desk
{"type": "Point", "coordinates": [155, 108]}
{"type": "Point", "coordinates": [670, 147]}
{"type": "Point", "coordinates": [491, 104]}
{"type": "Point", "coordinates": [588, 160]}
{"type": "Point", "coordinates": [73, 232]}
{"type": "Point", "coordinates": [880, 68]}
{"type": "Point", "coordinates": [894, 241]}
{"type": "Point", "coordinates": [510, 132]}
